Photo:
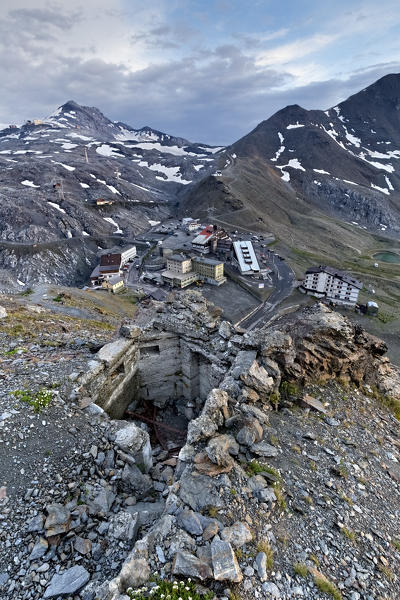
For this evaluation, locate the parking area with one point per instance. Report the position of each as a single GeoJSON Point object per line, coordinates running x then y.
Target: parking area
{"type": "Point", "coordinates": [234, 300]}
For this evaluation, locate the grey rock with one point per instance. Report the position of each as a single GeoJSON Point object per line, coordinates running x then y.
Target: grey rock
{"type": "Point", "coordinates": [261, 562]}
{"type": "Point", "coordinates": [39, 549]}
{"type": "Point", "coordinates": [134, 481]}
{"type": "Point", "coordinates": [264, 449]}
{"type": "Point", "coordinates": [35, 524]}
{"type": "Point", "coordinates": [257, 378]}
{"type": "Point", "coordinates": [136, 442]}
{"type": "Point", "coordinates": [224, 562]}
{"type": "Point", "coordinates": [219, 449]}
{"type": "Point", "coordinates": [58, 519]}
{"type": "Point", "coordinates": [190, 566]}
{"type": "Point", "coordinates": [82, 545]}
{"type": "Point", "coordinates": [124, 526]}
{"type": "Point", "coordinates": [4, 577]}
{"type": "Point", "coordinates": [102, 503]}
{"type": "Point", "coordinates": [199, 491]}
{"type": "Point", "coordinates": [3, 312]}
{"type": "Point", "coordinates": [243, 361]}
{"type": "Point", "coordinates": [225, 330]}
{"type": "Point", "coordinates": [190, 521]}
{"type": "Point", "coordinates": [237, 535]}
{"type": "Point", "coordinates": [271, 590]}
{"type": "Point", "coordinates": [68, 582]}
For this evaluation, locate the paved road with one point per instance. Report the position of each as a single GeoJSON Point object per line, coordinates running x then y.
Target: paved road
{"type": "Point", "coordinates": [283, 282]}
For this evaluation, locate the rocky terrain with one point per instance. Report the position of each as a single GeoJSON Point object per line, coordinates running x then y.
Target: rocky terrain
{"type": "Point", "coordinates": [286, 485]}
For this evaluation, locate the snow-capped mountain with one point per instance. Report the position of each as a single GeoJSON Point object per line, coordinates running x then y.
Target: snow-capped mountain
{"type": "Point", "coordinates": [345, 160]}
{"type": "Point", "coordinates": [55, 171]}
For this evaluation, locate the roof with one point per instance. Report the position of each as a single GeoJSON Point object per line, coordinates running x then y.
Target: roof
{"type": "Point", "coordinates": [159, 295]}
{"type": "Point", "coordinates": [109, 268]}
{"type": "Point", "coordinates": [204, 236]}
{"type": "Point", "coordinates": [175, 275]}
{"type": "Point", "coordinates": [374, 304]}
{"type": "Point", "coordinates": [115, 279]}
{"type": "Point", "coordinates": [110, 259]}
{"type": "Point", "coordinates": [96, 272]}
{"type": "Point", "coordinates": [336, 273]}
{"type": "Point", "coordinates": [246, 256]}
{"type": "Point", "coordinates": [178, 257]}
{"type": "Point", "coordinates": [207, 261]}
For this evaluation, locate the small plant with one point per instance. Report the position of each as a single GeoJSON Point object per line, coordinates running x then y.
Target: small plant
{"type": "Point", "coordinates": [396, 544]}
{"type": "Point", "coordinates": [296, 448]}
{"type": "Point", "coordinates": [58, 298]}
{"type": "Point", "coordinates": [265, 546]}
{"type": "Point", "coordinates": [309, 500]}
{"type": "Point", "coordinates": [173, 590]}
{"type": "Point", "coordinates": [273, 440]}
{"type": "Point", "coordinates": [280, 496]}
{"type": "Point", "coordinates": [314, 559]}
{"type": "Point", "coordinates": [388, 573]}
{"type": "Point", "coordinates": [326, 586]}
{"type": "Point", "coordinates": [27, 292]}
{"type": "Point", "coordinates": [239, 553]}
{"type": "Point", "coordinates": [289, 390]}
{"type": "Point", "coordinates": [233, 492]}
{"type": "Point", "coordinates": [212, 511]}
{"type": "Point", "coordinates": [300, 569]}
{"type": "Point", "coordinates": [38, 400]}
{"type": "Point", "coordinates": [274, 398]}
{"type": "Point", "coordinates": [255, 468]}
{"type": "Point", "coordinates": [313, 465]}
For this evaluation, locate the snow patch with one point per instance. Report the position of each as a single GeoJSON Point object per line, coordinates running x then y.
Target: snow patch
{"type": "Point", "coordinates": [295, 126]}
{"type": "Point", "coordinates": [153, 223]}
{"type": "Point", "coordinates": [383, 190]}
{"type": "Point", "coordinates": [84, 185]}
{"type": "Point", "coordinates": [54, 205]}
{"type": "Point", "coordinates": [321, 171]}
{"type": "Point", "coordinates": [112, 222]}
{"type": "Point", "coordinates": [29, 183]}
{"type": "Point", "coordinates": [106, 150]}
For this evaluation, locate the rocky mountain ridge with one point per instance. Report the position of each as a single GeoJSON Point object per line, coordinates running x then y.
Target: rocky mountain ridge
{"type": "Point", "coordinates": [342, 162]}
{"type": "Point", "coordinates": [54, 171]}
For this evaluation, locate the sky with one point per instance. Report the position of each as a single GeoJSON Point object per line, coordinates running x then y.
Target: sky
{"type": "Point", "coordinates": [205, 70]}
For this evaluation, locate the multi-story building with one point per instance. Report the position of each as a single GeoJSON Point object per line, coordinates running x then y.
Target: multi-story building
{"type": "Point", "coordinates": [212, 271]}
{"type": "Point", "coordinates": [110, 265]}
{"type": "Point", "coordinates": [127, 253]}
{"type": "Point", "coordinates": [179, 263]}
{"type": "Point", "coordinates": [246, 257]}
{"type": "Point", "coordinates": [330, 283]}
{"type": "Point", "coordinates": [207, 240]}
{"type": "Point", "coordinates": [176, 279]}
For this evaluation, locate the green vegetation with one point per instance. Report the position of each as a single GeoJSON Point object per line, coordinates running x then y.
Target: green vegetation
{"type": "Point", "coordinates": [213, 511]}
{"type": "Point", "coordinates": [171, 590]}
{"type": "Point", "coordinates": [348, 533]}
{"type": "Point", "coordinates": [58, 298]}
{"type": "Point", "coordinates": [289, 390]}
{"type": "Point", "coordinates": [27, 292]}
{"type": "Point", "coordinates": [265, 546]}
{"type": "Point", "coordinates": [388, 573]}
{"type": "Point", "coordinates": [326, 586]}
{"type": "Point", "coordinates": [274, 398]}
{"type": "Point", "coordinates": [280, 497]}
{"type": "Point", "coordinates": [38, 400]}
{"type": "Point", "coordinates": [255, 468]}
{"type": "Point", "coordinates": [396, 544]}
{"type": "Point", "coordinates": [300, 569]}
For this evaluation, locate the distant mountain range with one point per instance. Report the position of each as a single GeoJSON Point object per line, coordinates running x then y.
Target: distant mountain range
{"type": "Point", "coordinates": [293, 173]}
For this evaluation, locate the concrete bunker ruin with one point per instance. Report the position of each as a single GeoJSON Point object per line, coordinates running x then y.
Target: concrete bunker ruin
{"type": "Point", "coordinates": [157, 367]}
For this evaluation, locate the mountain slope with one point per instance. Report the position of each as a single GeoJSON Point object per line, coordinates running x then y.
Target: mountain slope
{"type": "Point", "coordinates": [343, 161]}
{"type": "Point", "coordinates": [53, 172]}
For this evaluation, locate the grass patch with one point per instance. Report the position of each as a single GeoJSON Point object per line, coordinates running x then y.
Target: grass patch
{"type": "Point", "coordinates": [348, 533]}
{"type": "Point", "coordinates": [255, 468]}
{"type": "Point", "coordinates": [387, 572]}
{"type": "Point", "coordinates": [326, 586]}
{"type": "Point", "coordinates": [265, 546]}
{"type": "Point", "coordinates": [300, 569]}
{"type": "Point", "coordinates": [280, 496]}
{"type": "Point", "coordinates": [396, 544]}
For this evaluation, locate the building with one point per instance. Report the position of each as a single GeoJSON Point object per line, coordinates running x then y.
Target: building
{"type": "Point", "coordinates": [177, 279]}
{"type": "Point", "coordinates": [102, 202]}
{"type": "Point", "coordinates": [246, 257]}
{"type": "Point", "coordinates": [110, 264]}
{"type": "Point", "coordinates": [189, 224]}
{"type": "Point", "coordinates": [208, 238]}
{"type": "Point", "coordinates": [179, 263]}
{"type": "Point", "coordinates": [127, 254]}
{"type": "Point", "coordinates": [114, 284]}
{"type": "Point", "coordinates": [330, 283]}
{"type": "Point", "coordinates": [95, 277]}
{"type": "Point", "coordinates": [211, 271]}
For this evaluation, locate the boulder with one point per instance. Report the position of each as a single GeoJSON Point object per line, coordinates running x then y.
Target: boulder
{"type": "Point", "coordinates": [67, 583]}
{"type": "Point", "coordinates": [39, 549]}
{"type": "Point", "coordinates": [258, 379]}
{"type": "Point", "coordinates": [3, 313]}
{"type": "Point", "coordinates": [250, 433]}
{"type": "Point", "coordinates": [237, 535]}
{"type": "Point", "coordinates": [135, 482]}
{"type": "Point", "coordinates": [58, 520]}
{"type": "Point", "coordinates": [124, 526]}
{"type": "Point", "coordinates": [224, 563]}
{"type": "Point", "coordinates": [225, 330]}
{"type": "Point", "coordinates": [102, 503]}
{"type": "Point", "coordinates": [243, 361]}
{"type": "Point", "coordinates": [188, 565]}
{"type": "Point", "coordinates": [199, 491]}
{"type": "Point", "coordinates": [135, 572]}
{"type": "Point", "coordinates": [136, 442]}
{"type": "Point", "coordinates": [190, 521]}
{"type": "Point", "coordinates": [214, 412]}
{"type": "Point", "coordinates": [264, 449]}
{"type": "Point", "coordinates": [261, 562]}
{"type": "Point", "coordinates": [219, 449]}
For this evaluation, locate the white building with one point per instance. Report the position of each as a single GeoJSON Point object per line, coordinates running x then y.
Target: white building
{"type": "Point", "coordinates": [127, 253]}
{"type": "Point", "coordinates": [330, 283]}
{"type": "Point", "coordinates": [179, 263]}
{"type": "Point", "coordinates": [246, 257]}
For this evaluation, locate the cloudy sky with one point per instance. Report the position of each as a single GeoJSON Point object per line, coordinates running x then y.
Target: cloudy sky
{"type": "Point", "coordinates": [207, 70]}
